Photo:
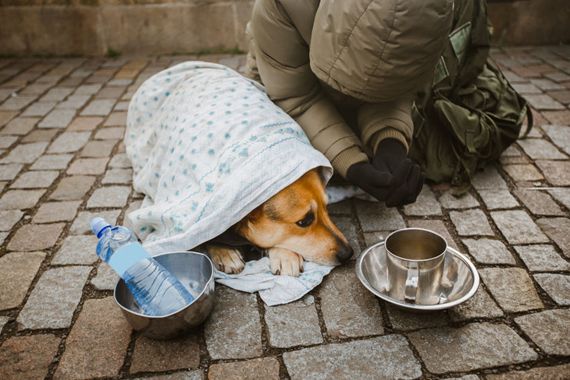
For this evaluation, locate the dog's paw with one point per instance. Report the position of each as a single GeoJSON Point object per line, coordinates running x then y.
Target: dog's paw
{"type": "Point", "coordinates": [228, 260]}
{"type": "Point", "coordinates": [285, 262]}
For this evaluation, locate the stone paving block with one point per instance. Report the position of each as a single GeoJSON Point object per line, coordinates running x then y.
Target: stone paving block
{"type": "Point", "coordinates": [56, 94]}
{"type": "Point", "coordinates": [480, 306]}
{"type": "Point", "coordinates": [91, 353]}
{"type": "Point", "coordinates": [539, 149]}
{"type": "Point", "coordinates": [110, 92]}
{"type": "Point", "coordinates": [546, 84]}
{"type": "Point", "coordinates": [3, 321]}
{"type": "Point", "coordinates": [538, 202]}
{"type": "Point", "coordinates": [425, 205]}
{"type": "Point", "coordinates": [557, 173]}
{"type": "Point", "coordinates": [88, 166]}
{"type": "Point", "coordinates": [560, 136]}
{"type": "Point", "coordinates": [489, 178]}
{"type": "Point", "coordinates": [20, 199]}
{"type": "Point", "coordinates": [165, 355]}
{"type": "Point", "coordinates": [346, 225]}
{"type": "Point", "coordinates": [125, 177]}
{"type": "Point", "coordinates": [25, 153]}
{"type": "Point", "coordinates": [374, 216]}
{"type": "Point", "coordinates": [19, 126]}
{"type": "Point", "coordinates": [74, 102]}
{"type": "Point", "coordinates": [549, 330]}
{"type": "Point", "coordinates": [111, 196]}
{"type": "Point", "coordinates": [120, 161]}
{"type": "Point", "coordinates": [87, 89]}
{"type": "Point", "coordinates": [498, 199]}
{"type": "Point", "coordinates": [57, 118]}
{"type": "Point", "coordinates": [557, 117]}
{"type": "Point", "coordinates": [471, 223]}
{"type": "Point", "coordinates": [386, 357]}
{"type": "Point", "coordinates": [233, 330]}
{"type": "Point", "coordinates": [84, 123]}
{"type": "Point", "coordinates": [81, 224]}
{"type": "Point", "coordinates": [110, 133]}
{"type": "Point", "coordinates": [559, 372]}
{"type": "Point", "coordinates": [98, 148]}
{"type": "Point", "coordinates": [69, 142]}
{"type": "Point", "coordinates": [17, 271]}
{"type": "Point", "coordinates": [542, 258]}
{"type": "Point", "coordinates": [98, 107]}
{"type": "Point", "coordinates": [10, 171]}
{"type": "Point", "coordinates": [525, 172]}
{"type": "Point", "coordinates": [339, 208]}
{"type": "Point", "coordinates": [561, 96]}
{"type": "Point", "coordinates": [518, 227]}
{"type": "Point", "coordinates": [512, 288]}
{"type": "Point", "coordinates": [293, 324]}
{"type": "Point", "coordinates": [40, 135]}
{"type": "Point", "coordinates": [27, 357]}
{"type": "Point", "coordinates": [403, 320]}
{"type": "Point", "coordinates": [17, 103]}
{"type": "Point", "coordinates": [526, 88]}
{"type": "Point", "coordinates": [557, 229]}
{"type": "Point", "coordinates": [56, 212]}
{"type": "Point", "coordinates": [9, 218]}
{"type": "Point", "coordinates": [543, 102]}
{"type": "Point", "coordinates": [562, 195]}
{"type": "Point", "coordinates": [39, 109]}
{"type": "Point", "coordinates": [106, 278]}
{"type": "Point", "coordinates": [33, 237]}
{"type": "Point", "coordinates": [35, 179]}
{"type": "Point", "coordinates": [7, 141]}
{"type": "Point", "coordinates": [349, 309]}
{"type": "Point", "coordinates": [78, 249]}
{"type": "Point", "coordinates": [54, 299]}
{"type": "Point", "coordinates": [116, 119]}
{"type": "Point", "coordinates": [186, 375]}
{"type": "Point", "coordinates": [488, 251]}
{"type": "Point", "coordinates": [436, 226]}
{"type": "Point", "coordinates": [470, 347]}
{"type": "Point", "coordinates": [262, 369]}
{"type": "Point", "coordinates": [72, 188]}
{"type": "Point", "coordinates": [556, 285]}
{"type": "Point", "coordinates": [52, 161]}
{"type": "Point", "coordinates": [6, 116]}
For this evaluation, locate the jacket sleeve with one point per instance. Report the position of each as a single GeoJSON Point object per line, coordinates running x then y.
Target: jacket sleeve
{"type": "Point", "coordinates": [282, 59]}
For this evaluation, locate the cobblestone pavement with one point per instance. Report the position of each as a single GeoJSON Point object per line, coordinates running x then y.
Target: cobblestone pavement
{"type": "Point", "coordinates": [62, 161]}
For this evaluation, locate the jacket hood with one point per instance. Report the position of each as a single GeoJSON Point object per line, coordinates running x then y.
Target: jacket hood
{"type": "Point", "coordinates": [378, 50]}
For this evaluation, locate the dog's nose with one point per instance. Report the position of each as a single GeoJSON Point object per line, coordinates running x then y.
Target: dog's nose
{"type": "Point", "coordinates": [344, 253]}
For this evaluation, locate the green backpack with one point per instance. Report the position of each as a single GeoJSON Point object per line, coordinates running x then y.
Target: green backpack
{"type": "Point", "coordinates": [470, 114]}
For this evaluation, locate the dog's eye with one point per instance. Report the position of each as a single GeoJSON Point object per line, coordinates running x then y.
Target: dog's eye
{"type": "Point", "coordinates": [306, 221]}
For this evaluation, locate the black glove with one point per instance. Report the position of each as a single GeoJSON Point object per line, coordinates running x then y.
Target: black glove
{"type": "Point", "coordinates": [368, 178]}
{"type": "Point", "coordinates": [391, 157]}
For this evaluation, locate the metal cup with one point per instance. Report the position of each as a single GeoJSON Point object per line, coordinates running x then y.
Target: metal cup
{"type": "Point", "coordinates": [415, 259]}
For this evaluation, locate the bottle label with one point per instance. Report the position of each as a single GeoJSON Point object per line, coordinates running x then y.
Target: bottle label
{"type": "Point", "coordinates": [127, 256]}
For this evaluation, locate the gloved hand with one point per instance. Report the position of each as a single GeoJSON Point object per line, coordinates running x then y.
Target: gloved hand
{"type": "Point", "coordinates": [375, 182]}
{"type": "Point", "coordinates": [391, 157]}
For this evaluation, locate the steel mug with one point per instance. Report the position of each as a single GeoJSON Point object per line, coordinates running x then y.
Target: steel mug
{"type": "Point", "coordinates": [415, 259]}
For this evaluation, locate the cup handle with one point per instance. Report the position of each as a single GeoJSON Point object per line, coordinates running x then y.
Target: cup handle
{"type": "Point", "coordinates": [412, 278]}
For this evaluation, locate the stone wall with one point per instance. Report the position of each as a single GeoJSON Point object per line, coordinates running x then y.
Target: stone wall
{"type": "Point", "coordinates": [99, 27]}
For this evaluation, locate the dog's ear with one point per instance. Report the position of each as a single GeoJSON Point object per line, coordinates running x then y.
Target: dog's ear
{"type": "Point", "coordinates": [243, 226]}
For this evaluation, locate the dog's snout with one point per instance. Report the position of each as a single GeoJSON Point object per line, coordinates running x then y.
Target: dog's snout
{"type": "Point", "coordinates": [344, 253]}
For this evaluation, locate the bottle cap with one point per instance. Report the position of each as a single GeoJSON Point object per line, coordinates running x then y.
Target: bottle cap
{"type": "Point", "coordinates": [98, 225]}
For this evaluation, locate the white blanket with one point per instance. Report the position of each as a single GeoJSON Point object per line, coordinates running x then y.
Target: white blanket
{"type": "Point", "coordinates": [207, 147]}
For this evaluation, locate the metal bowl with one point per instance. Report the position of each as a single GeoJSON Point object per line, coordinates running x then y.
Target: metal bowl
{"type": "Point", "coordinates": [459, 282]}
{"type": "Point", "coordinates": [196, 272]}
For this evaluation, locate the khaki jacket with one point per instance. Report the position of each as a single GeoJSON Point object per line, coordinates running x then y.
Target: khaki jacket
{"type": "Point", "coordinates": [347, 70]}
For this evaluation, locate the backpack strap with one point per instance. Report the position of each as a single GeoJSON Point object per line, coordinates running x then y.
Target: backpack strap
{"type": "Point", "coordinates": [529, 121]}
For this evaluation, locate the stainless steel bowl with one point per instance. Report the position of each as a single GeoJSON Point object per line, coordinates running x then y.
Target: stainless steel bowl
{"type": "Point", "coordinates": [196, 272]}
{"type": "Point", "coordinates": [459, 282]}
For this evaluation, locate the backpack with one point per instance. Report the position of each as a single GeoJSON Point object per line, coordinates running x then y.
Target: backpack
{"type": "Point", "coordinates": [470, 113]}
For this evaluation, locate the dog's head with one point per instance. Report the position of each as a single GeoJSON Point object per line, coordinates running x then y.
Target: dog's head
{"type": "Point", "coordinates": [297, 219]}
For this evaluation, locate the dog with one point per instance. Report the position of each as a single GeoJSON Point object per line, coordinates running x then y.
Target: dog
{"type": "Point", "coordinates": [292, 226]}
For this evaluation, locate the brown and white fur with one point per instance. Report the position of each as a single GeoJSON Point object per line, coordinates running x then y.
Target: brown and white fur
{"type": "Point", "coordinates": [291, 226]}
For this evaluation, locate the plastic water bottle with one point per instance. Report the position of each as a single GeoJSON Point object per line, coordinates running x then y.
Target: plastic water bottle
{"type": "Point", "coordinates": [155, 289]}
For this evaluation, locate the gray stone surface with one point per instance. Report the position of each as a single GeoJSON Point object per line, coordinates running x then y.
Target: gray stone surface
{"type": "Point", "coordinates": [404, 320]}
{"type": "Point", "coordinates": [34, 237]}
{"type": "Point", "coordinates": [349, 309]}
{"type": "Point", "coordinates": [10, 171]}
{"type": "Point", "coordinates": [54, 298]}
{"type": "Point", "coordinates": [120, 160]}
{"type": "Point", "coordinates": [17, 270]}
{"type": "Point", "coordinates": [559, 372]}
{"type": "Point", "coordinates": [449, 201]}
{"type": "Point", "coordinates": [539, 203]}
{"type": "Point", "coordinates": [98, 108]}
{"type": "Point", "coordinates": [111, 196]}
{"type": "Point", "coordinates": [471, 223]}
{"type": "Point", "coordinates": [69, 142]}
{"type": "Point", "coordinates": [35, 180]}
{"type": "Point", "coordinates": [542, 258]}
{"type": "Point", "coordinates": [512, 288]}
{"type": "Point", "coordinates": [50, 212]}
{"type": "Point", "coordinates": [78, 249]}
{"type": "Point", "coordinates": [560, 136]}
{"type": "Point", "coordinates": [98, 148]}
{"type": "Point", "coordinates": [294, 324]}
{"type": "Point", "coordinates": [3, 321]}
{"type": "Point", "coordinates": [348, 227]}
{"type": "Point", "coordinates": [425, 205]}
{"type": "Point", "coordinates": [110, 133]}
{"type": "Point", "coordinates": [470, 347]}
{"type": "Point", "coordinates": [524, 172]}
{"type": "Point", "coordinates": [383, 357]}
{"type": "Point", "coordinates": [490, 179]}
{"type": "Point", "coordinates": [25, 153]}
{"type": "Point", "coordinates": [81, 224]}
{"type": "Point", "coordinates": [539, 149]}
{"type": "Point", "coordinates": [557, 173]}
{"type": "Point", "coordinates": [498, 199]}
{"type": "Point", "coordinates": [9, 218]}
{"type": "Point", "coordinates": [88, 166]}
{"type": "Point", "coordinates": [20, 199]}
{"type": "Point", "coordinates": [557, 286]}
{"type": "Point", "coordinates": [374, 216]}
{"type": "Point", "coordinates": [58, 118]}
{"type": "Point", "coordinates": [52, 162]}
{"type": "Point", "coordinates": [72, 188]}
{"type": "Point", "coordinates": [106, 277]}
{"type": "Point", "coordinates": [262, 369]}
{"type": "Point", "coordinates": [489, 251]}
{"type": "Point", "coordinates": [549, 330]}
{"type": "Point", "coordinates": [233, 330]}
{"type": "Point", "coordinates": [557, 229]}
{"type": "Point", "coordinates": [562, 195]}
{"type": "Point", "coordinates": [518, 227]}
{"type": "Point", "coordinates": [480, 306]}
